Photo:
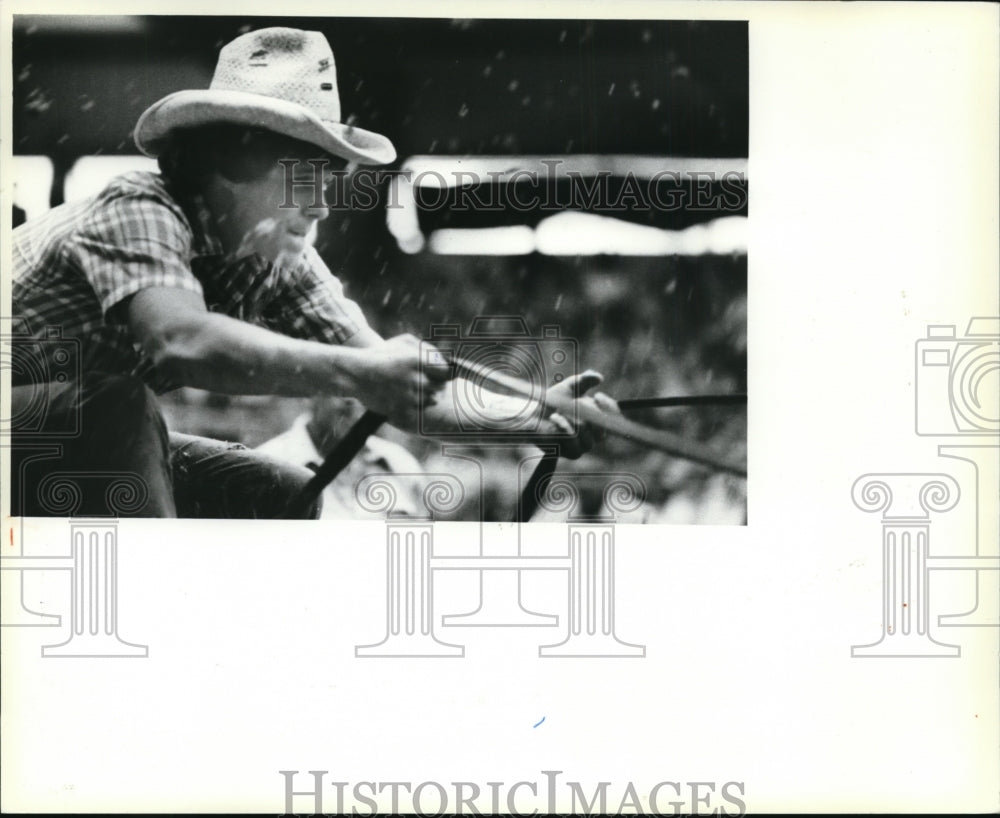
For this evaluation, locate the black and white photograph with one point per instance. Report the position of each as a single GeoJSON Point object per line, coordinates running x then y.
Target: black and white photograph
{"type": "Point", "coordinates": [499, 407]}
{"type": "Point", "coordinates": [256, 260]}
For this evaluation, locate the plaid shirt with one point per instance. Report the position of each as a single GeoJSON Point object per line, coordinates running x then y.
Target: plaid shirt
{"type": "Point", "coordinates": [76, 267]}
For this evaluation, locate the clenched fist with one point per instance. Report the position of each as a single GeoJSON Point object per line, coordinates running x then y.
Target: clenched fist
{"type": "Point", "coordinates": [577, 439]}
{"type": "Point", "coordinates": [391, 379]}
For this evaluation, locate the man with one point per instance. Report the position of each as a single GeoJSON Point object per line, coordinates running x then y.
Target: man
{"type": "Point", "coordinates": [313, 435]}
{"type": "Point", "coordinates": [203, 275]}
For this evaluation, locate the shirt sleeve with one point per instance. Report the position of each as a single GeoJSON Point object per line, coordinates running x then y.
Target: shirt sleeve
{"type": "Point", "coordinates": [313, 304]}
{"type": "Point", "coordinates": [133, 242]}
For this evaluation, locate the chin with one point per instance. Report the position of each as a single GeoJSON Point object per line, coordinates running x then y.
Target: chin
{"type": "Point", "coordinates": [290, 249]}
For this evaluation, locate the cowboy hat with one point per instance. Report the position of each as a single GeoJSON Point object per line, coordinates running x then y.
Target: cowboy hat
{"type": "Point", "coordinates": [279, 79]}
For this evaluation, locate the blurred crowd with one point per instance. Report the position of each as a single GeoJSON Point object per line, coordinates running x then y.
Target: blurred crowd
{"type": "Point", "coordinates": [653, 326]}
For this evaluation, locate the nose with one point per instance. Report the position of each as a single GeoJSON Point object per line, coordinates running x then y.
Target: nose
{"type": "Point", "coordinates": [312, 210]}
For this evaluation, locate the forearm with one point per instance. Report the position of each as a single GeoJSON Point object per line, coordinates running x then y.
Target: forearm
{"type": "Point", "coordinates": [216, 352]}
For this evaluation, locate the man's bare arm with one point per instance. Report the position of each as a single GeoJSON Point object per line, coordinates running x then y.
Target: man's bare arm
{"type": "Point", "coordinates": [195, 347]}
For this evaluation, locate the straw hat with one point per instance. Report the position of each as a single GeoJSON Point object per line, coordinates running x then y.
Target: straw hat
{"type": "Point", "coordinates": [280, 79]}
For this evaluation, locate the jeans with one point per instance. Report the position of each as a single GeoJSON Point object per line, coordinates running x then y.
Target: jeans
{"type": "Point", "coordinates": [100, 446]}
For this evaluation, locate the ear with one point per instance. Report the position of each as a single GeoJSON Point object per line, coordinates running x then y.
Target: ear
{"type": "Point", "coordinates": [220, 194]}
{"type": "Point", "coordinates": [216, 181]}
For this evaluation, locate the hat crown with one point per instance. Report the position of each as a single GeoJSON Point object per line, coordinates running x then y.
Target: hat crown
{"type": "Point", "coordinates": [284, 63]}
{"type": "Point", "coordinates": [279, 79]}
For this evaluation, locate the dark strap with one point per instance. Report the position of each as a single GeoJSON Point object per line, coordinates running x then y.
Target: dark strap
{"type": "Point", "coordinates": [682, 400]}
{"type": "Point", "coordinates": [527, 503]}
{"type": "Point", "coordinates": [343, 453]}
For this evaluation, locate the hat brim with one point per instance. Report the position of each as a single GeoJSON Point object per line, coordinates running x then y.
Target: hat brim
{"type": "Point", "coordinates": [185, 109]}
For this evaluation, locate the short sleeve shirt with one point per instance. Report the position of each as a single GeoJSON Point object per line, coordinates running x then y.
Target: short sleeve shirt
{"type": "Point", "coordinates": [76, 267]}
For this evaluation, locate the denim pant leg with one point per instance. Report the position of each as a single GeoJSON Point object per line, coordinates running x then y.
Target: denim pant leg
{"type": "Point", "coordinates": [83, 433]}
{"type": "Point", "coordinates": [213, 479]}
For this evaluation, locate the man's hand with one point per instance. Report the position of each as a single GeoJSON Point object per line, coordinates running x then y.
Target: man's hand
{"type": "Point", "coordinates": [392, 380]}
{"type": "Point", "coordinates": [576, 440]}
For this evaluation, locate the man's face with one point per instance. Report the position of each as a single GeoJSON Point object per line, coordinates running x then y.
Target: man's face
{"type": "Point", "coordinates": [275, 215]}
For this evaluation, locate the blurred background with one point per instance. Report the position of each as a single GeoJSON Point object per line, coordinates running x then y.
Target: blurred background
{"type": "Point", "coordinates": [654, 295]}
